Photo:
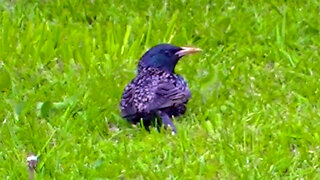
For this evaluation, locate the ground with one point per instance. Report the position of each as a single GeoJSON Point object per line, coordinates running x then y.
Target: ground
{"type": "Point", "coordinates": [254, 111]}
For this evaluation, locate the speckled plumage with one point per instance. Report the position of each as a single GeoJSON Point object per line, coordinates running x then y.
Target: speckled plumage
{"type": "Point", "coordinates": [151, 90]}
{"type": "Point", "coordinates": [156, 91]}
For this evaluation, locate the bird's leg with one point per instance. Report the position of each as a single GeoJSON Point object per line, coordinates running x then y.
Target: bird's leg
{"type": "Point", "coordinates": [166, 120]}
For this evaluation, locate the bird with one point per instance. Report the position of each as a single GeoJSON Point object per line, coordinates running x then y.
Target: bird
{"type": "Point", "coordinates": [157, 92]}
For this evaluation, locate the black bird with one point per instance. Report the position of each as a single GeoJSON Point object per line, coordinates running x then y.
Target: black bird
{"type": "Point", "coordinates": [157, 91]}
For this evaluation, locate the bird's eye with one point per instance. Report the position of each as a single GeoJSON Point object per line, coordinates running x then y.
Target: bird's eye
{"type": "Point", "coordinates": [167, 53]}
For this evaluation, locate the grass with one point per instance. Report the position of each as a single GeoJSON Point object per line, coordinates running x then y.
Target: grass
{"type": "Point", "coordinates": [254, 112]}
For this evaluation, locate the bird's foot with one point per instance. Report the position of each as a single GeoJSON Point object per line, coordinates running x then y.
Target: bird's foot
{"type": "Point", "coordinates": [167, 122]}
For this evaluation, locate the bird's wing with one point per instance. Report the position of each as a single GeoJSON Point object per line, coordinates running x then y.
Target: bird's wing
{"type": "Point", "coordinates": [168, 94]}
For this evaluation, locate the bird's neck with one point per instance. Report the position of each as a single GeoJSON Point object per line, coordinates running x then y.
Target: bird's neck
{"type": "Point", "coordinates": [143, 67]}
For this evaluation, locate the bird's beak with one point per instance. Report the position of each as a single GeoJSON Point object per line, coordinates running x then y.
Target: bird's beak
{"type": "Point", "coordinates": [187, 50]}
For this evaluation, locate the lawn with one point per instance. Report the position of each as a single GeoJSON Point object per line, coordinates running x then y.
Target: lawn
{"type": "Point", "coordinates": [255, 106]}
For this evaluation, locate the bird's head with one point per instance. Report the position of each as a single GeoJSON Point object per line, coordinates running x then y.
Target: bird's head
{"type": "Point", "coordinates": [165, 56]}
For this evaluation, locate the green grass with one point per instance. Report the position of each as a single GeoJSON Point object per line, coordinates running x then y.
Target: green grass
{"type": "Point", "coordinates": [255, 107]}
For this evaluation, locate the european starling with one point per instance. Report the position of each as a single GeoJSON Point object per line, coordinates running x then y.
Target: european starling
{"type": "Point", "coordinates": [156, 91]}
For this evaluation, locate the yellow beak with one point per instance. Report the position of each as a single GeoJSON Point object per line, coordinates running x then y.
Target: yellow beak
{"type": "Point", "coordinates": [188, 50]}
